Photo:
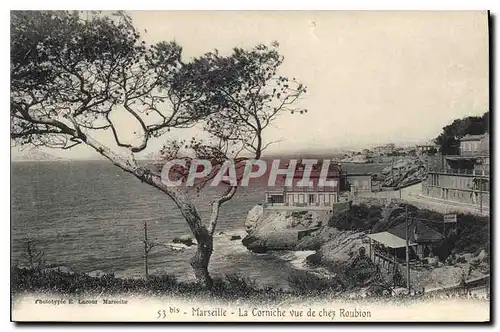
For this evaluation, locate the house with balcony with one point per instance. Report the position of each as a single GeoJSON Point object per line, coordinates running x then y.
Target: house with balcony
{"type": "Point", "coordinates": [341, 185]}
{"type": "Point", "coordinates": [315, 194]}
{"type": "Point", "coordinates": [463, 178]}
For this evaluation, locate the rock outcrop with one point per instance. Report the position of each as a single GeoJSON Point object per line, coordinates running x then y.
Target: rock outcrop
{"type": "Point", "coordinates": [184, 239]}
{"type": "Point", "coordinates": [338, 247]}
{"type": "Point", "coordinates": [404, 172]}
{"type": "Point", "coordinates": [356, 159]}
{"type": "Point", "coordinates": [281, 229]}
{"type": "Point", "coordinates": [276, 229]}
{"type": "Point", "coordinates": [253, 217]}
{"type": "Point", "coordinates": [342, 253]}
{"type": "Point", "coordinates": [59, 268]}
{"type": "Point", "coordinates": [97, 274]}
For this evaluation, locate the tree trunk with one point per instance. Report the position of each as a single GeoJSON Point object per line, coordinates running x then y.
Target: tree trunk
{"type": "Point", "coordinates": [199, 262]}
{"type": "Point", "coordinates": [203, 234]}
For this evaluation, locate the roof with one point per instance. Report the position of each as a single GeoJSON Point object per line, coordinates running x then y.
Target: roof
{"type": "Point", "coordinates": [389, 240]}
{"type": "Point", "coordinates": [316, 174]}
{"type": "Point", "coordinates": [418, 232]}
{"type": "Point", "coordinates": [334, 170]}
{"type": "Point", "coordinates": [358, 174]}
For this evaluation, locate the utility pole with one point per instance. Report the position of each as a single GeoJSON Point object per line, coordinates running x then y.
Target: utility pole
{"type": "Point", "coordinates": [146, 249]}
{"type": "Point", "coordinates": [481, 202]}
{"type": "Point", "coordinates": [481, 184]}
{"type": "Point", "coordinates": [478, 185]}
{"type": "Point", "coordinates": [407, 253]}
{"type": "Point", "coordinates": [444, 222]}
{"type": "Point", "coordinates": [392, 168]}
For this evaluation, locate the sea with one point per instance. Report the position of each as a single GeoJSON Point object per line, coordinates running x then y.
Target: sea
{"type": "Point", "coordinates": [90, 216]}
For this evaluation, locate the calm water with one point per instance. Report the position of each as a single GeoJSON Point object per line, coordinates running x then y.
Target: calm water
{"type": "Point", "coordinates": [90, 216]}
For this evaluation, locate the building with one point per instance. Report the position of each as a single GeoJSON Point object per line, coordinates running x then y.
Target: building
{"type": "Point", "coordinates": [359, 182]}
{"type": "Point", "coordinates": [390, 246]}
{"type": "Point", "coordinates": [426, 148]}
{"type": "Point", "coordinates": [423, 236]}
{"type": "Point", "coordinates": [462, 178]}
{"type": "Point", "coordinates": [474, 145]}
{"type": "Point", "coordinates": [313, 195]}
{"type": "Point", "coordinates": [385, 149]}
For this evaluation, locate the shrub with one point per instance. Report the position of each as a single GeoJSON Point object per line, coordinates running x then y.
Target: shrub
{"type": "Point", "coordinates": [235, 285]}
{"type": "Point", "coordinates": [299, 214]}
{"type": "Point", "coordinates": [309, 284]}
{"type": "Point", "coordinates": [313, 259]}
{"type": "Point", "coordinates": [32, 280]}
{"type": "Point", "coordinates": [397, 279]}
{"type": "Point", "coordinates": [442, 250]}
{"type": "Point", "coordinates": [358, 217]}
{"type": "Point", "coordinates": [32, 255]}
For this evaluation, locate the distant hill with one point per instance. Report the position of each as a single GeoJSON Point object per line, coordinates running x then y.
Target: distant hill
{"type": "Point", "coordinates": [34, 155]}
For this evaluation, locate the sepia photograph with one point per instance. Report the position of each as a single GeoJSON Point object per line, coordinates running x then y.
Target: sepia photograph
{"type": "Point", "coordinates": [250, 166]}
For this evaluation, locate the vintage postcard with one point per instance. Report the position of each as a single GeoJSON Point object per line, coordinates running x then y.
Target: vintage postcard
{"type": "Point", "coordinates": [260, 166]}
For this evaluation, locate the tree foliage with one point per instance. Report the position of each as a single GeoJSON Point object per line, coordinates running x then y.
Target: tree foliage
{"type": "Point", "coordinates": [448, 140]}
{"type": "Point", "coordinates": [72, 71]}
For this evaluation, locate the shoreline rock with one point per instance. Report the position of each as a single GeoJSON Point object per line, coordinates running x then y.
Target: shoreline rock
{"type": "Point", "coordinates": [314, 260]}
{"type": "Point", "coordinates": [184, 239]}
{"type": "Point", "coordinates": [59, 268]}
{"type": "Point", "coordinates": [255, 215]}
{"type": "Point", "coordinates": [281, 229]}
{"type": "Point", "coordinates": [336, 251]}
{"type": "Point", "coordinates": [97, 274]}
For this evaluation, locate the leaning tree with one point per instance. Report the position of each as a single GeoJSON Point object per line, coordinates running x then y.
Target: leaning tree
{"type": "Point", "coordinates": [72, 72]}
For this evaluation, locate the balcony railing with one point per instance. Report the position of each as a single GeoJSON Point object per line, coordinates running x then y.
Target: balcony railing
{"type": "Point", "coordinates": [459, 171]}
{"type": "Point", "coordinates": [310, 189]}
{"type": "Point", "coordinates": [476, 153]}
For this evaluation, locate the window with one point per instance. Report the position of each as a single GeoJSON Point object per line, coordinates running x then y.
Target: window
{"type": "Point", "coordinates": [301, 198]}
{"type": "Point", "coordinates": [276, 199]}
{"type": "Point", "coordinates": [311, 199]}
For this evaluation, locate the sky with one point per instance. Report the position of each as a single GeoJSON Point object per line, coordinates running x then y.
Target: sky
{"type": "Point", "coordinates": [372, 77]}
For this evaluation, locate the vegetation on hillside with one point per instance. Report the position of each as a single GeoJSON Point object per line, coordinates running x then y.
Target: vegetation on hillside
{"type": "Point", "coordinates": [359, 217]}
{"type": "Point", "coordinates": [471, 235]}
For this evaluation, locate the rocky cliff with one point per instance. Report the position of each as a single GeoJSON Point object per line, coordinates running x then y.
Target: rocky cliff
{"type": "Point", "coordinates": [276, 229]}
{"type": "Point", "coordinates": [404, 172]}
{"type": "Point", "coordinates": [357, 159]}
